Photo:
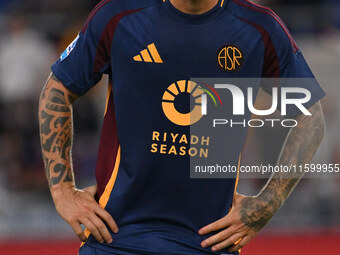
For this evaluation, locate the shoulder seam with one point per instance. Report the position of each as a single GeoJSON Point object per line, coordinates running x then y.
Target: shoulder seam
{"type": "Point", "coordinates": [99, 6]}
{"type": "Point", "coordinates": [271, 65]}
{"type": "Point", "coordinates": [262, 9]}
{"type": "Point", "coordinates": [104, 45]}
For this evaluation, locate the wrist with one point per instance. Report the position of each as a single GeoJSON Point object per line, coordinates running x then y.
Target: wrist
{"type": "Point", "coordinates": [271, 201]}
{"type": "Point", "coordinates": [61, 190]}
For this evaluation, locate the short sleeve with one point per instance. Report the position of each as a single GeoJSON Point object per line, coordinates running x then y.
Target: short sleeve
{"type": "Point", "coordinates": [287, 63]}
{"type": "Point", "coordinates": [77, 68]}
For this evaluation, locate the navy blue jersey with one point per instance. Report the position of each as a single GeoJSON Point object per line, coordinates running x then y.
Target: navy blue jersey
{"type": "Point", "coordinates": [148, 47]}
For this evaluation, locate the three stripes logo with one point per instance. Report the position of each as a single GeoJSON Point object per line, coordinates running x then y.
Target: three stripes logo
{"type": "Point", "coordinates": [150, 55]}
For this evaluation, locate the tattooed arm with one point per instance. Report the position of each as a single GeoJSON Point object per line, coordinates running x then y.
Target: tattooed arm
{"type": "Point", "coordinates": [75, 206]}
{"type": "Point", "coordinates": [55, 116]}
{"type": "Point", "coordinates": [250, 214]}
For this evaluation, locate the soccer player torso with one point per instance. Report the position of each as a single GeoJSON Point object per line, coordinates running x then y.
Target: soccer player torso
{"type": "Point", "coordinates": [153, 196]}
{"type": "Point", "coordinates": [151, 51]}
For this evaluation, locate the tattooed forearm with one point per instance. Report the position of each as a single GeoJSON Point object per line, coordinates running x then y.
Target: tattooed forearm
{"type": "Point", "coordinates": [55, 118]}
{"type": "Point", "coordinates": [300, 146]}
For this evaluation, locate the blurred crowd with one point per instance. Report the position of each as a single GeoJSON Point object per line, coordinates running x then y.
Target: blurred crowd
{"type": "Point", "coordinates": [32, 35]}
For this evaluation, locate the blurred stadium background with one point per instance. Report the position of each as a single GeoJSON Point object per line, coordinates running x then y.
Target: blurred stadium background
{"type": "Point", "coordinates": [32, 35]}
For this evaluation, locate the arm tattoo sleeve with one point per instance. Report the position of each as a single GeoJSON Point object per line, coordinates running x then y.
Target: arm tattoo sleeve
{"type": "Point", "coordinates": [55, 118]}
{"type": "Point", "coordinates": [300, 146]}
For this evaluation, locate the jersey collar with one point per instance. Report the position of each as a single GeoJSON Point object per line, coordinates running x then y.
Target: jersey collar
{"type": "Point", "coordinates": [192, 18]}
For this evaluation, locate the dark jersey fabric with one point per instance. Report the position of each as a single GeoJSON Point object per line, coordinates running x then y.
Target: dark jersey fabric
{"type": "Point", "coordinates": [156, 205]}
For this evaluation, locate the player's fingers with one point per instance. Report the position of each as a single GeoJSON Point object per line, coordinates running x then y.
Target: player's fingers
{"type": "Point", "coordinates": [240, 244]}
{"type": "Point", "coordinates": [217, 225]}
{"type": "Point", "coordinates": [103, 214]}
{"type": "Point", "coordinates": [219, 237]}
{"type": "Point", "coordinates": [102, 228]}
{"type": "Point", "coordinates": [93, 229]}
{"type": "Point", "coordinates": [228, 242]}
{"type": "Point", "coordinates": [78, 230]}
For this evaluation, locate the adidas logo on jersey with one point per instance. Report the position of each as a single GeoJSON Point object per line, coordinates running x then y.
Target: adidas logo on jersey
{"type": "Point", "coordinates": [149, 55]}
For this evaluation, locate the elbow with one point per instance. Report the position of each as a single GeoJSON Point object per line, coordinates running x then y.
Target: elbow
{"type": "Point", "coordinates": [319, 124]}
{"type": "Point", "coordinates": [322, 128]}
{"type": "Point", "coordinates": [314, 126]}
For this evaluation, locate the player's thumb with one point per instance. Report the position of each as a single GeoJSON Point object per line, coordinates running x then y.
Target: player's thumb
{"type": "Point", "coordinates": [92, 190]}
